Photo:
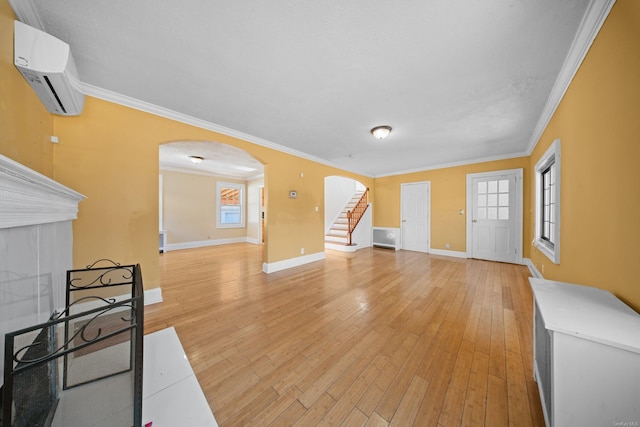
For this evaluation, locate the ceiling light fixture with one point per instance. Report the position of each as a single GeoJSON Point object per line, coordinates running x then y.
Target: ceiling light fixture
{"type": "Point", "coordinates": [196, 159]}
{"type": "Point", "coordinates": [381, 132]}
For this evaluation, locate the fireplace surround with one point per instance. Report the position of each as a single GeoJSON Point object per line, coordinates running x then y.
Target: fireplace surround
{"type": "Point", "coordinates": [36, 215]}
{"type": "Point", "coordinates": [35, 246]}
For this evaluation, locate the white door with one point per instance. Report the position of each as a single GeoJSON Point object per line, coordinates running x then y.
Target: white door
{"type": "Point", "coordinates": [496, 216]}
{"type": "Point", "coordinates": [414, 216]}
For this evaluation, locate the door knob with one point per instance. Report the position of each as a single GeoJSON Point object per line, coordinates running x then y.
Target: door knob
{"type": "Point", "coordinates": [475, 220]}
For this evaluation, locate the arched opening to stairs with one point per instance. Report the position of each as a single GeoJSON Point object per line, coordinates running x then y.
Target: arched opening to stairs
{"type": "Point", "coordinates": [344, 198]}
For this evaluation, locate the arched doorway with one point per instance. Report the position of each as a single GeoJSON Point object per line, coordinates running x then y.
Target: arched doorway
{"type": "Point", "coordinates": [341, 194]}
{"type": "Point", "coordinates": [210, 194]}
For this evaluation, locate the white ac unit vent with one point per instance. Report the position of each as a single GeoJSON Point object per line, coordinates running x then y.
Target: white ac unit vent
{"type": "Point", "coordinates": [47, 65]}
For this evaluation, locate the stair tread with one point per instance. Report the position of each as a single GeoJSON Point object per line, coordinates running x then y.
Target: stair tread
{"type": "Point", "coordinates": [339, 230]}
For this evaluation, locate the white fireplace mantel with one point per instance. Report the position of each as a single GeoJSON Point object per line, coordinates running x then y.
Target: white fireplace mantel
{"type": "Point", "coordinates": [28, 197]}
{"type": "Point", "coordinates": [35, 246]}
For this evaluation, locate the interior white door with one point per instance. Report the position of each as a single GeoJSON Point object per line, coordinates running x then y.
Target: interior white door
{"type": "Point", "coordinates": [495, 217]}
{"type": "Point", "coordinates": [414, 216]}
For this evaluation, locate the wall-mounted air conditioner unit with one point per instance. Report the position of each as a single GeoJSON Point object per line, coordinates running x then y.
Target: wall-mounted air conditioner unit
{"type": "Point", "coordinates": [47, 65]}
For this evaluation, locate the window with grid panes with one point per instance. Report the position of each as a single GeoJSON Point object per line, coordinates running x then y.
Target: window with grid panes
{"type": "Point", "coordinates": [230, 198]}
{"type": "Point", "coordinates": [547, 203]}
{"type": "Point", "coordinates": [493, 199]}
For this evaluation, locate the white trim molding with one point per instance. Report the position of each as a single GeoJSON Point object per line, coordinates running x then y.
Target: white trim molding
{"type": "Point", "coordinates": [342, 247]}
{"type": "Point", "coordinates": [26, 12]}
{"type": "Point", "coordinates": [203, 243]}
{"type": "Point", "coordinates": [29, 198]}
{"type": "Point", "coordinates": [292, 262]}
{"type": "Point", "coordinates": [532, 268]}
{"type": "Point", "coordinates": [153, 296]}
{"type": "Point", "coordinates": [592, 21]}
{"type": "Point", "coordinates": [445, 252]}
{"type": "Point", "coordinates": [137, 104]}
{"type": "Point", "coordinates": [253, 241]}
{"type": "Point", "coordinates": [550, 157]}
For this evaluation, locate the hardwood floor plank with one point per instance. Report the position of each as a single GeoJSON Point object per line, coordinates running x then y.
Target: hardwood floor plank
{"type": "Point", "coordinates": [497, 359]}
{"type": "Point", "coordinates": [290, 415]}
{"type": "Point", "coordinates": [476, 396]}
{"type": "Point", "coordinates": [432, 404]}
{"type": "Point", "coordinates": [337, 365]}
{"type": "Point", "coordinates": [355, 418]}
{"type": "Point", "coordinates": [317, 412]}
{"type": "Point", "coordinates": [519, 411]}
{"type": "Point", "coordinates": [406, 413]}
{"type": "Point", "coordinates": [373, 337]}
{"type": "Point", "coordinates": [392, 398]}
{"type": "Point", "coordinates": [276, 408]}
{"type": "Point", "coordinates": [377, 421]}
{"type": "Point", "coordinates": [347, 402]}
{"type": "Point", "coordinates": [497, 412]}
{"type": "Point", "coordinates": [453, 404]}
{"type": "Point", "coordinates": [231, 415]}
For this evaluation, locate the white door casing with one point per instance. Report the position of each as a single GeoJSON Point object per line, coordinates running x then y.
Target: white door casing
{"type": "Point", "coordinates": [415, 213]}
{"type": "Point", "coordinates": [494, 216]}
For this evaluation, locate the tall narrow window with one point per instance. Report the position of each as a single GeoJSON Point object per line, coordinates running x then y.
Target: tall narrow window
{"type": "Point", "coordinates": [547, 219]}
{"type": "Point", "coordinates": [548, 202]}
{"type": "Point", "coordinates": [230, 212]}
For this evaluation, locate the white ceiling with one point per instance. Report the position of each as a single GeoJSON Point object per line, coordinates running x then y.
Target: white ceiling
{"type": "Point", "coordinates": [219, 159]}
{"type": "Point", "coordinates": [457, 81]}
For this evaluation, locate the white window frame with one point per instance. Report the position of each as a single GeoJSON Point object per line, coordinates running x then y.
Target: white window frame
{"type": "Point", "coordinates": [241, 187]}
{"type": "Point", "coordinates": [551, 156]}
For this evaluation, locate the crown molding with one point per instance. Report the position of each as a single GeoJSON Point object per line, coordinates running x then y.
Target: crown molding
{"type": "Point", "coordinates": [455, 164]}
{"type": "Point", "coordinates": [137, 104]}
{"type": "Point", "coordinates": [29, 198]}
{"type": "Point", "coordinates": [26, 13]}
{"type": "Point", "coordinates": [592, 21]}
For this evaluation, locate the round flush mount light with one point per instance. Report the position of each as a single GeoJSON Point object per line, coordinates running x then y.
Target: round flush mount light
{"type": "Point", "coordinates": [381, 132]}
{"type": "Point", "coordinates": [196, 159]}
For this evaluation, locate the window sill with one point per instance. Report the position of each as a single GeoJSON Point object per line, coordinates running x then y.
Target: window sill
{"type": "Point", "coordinates": [553, 253]}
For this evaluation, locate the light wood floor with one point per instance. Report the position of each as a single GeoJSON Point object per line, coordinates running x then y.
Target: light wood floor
{"type": "Point", "coordinates": [374, 338]}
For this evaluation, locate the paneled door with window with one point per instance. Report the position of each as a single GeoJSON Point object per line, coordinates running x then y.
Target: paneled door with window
{"type": "Point", "coordinates": [496, 216]}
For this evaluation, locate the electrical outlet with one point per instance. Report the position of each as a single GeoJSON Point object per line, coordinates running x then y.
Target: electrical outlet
{"type": "Point", "coordinates": [447, 246]}
{"type": "Point", "coordinates": [542, 268]}
{"type": "Point", "coordinates": [301, 251]}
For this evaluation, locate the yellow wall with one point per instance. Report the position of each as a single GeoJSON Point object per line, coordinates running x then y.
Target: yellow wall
{"type": "Point", "coordinates": [110, 154]}
{"type": "Point", "coordinates": [189, 208]}
{"type": "Point", "coordinates": [598, 123]}
{"type": "Point", "coordinates": [448, 196]}
{"type": "Point", "coordinates": [25, 125]}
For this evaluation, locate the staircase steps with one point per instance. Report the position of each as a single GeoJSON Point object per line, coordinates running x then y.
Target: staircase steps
{"type": "Point", "coordinates": [338, 232]}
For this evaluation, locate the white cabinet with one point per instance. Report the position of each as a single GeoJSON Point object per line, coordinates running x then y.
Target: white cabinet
{"type": "Point", "coordinates": [586, 356]}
